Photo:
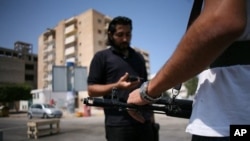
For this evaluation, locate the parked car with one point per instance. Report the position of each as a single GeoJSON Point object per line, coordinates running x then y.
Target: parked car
{"type": "Point", "coordinates": [44, 111]}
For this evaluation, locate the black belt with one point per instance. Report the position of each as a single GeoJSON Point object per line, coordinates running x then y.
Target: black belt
{"type": "Point", "coordinates": [238, 53]}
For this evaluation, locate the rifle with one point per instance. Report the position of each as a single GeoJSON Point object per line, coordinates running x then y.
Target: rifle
{"type": "Point", "coordinates": [181, 108]}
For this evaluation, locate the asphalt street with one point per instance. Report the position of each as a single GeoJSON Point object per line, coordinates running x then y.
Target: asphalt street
{"type": "Point", "coordinates": [91, 128]}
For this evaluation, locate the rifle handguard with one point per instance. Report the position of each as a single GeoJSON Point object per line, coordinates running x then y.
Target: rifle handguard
{"type": "Point", "coordinates": [181, 108]}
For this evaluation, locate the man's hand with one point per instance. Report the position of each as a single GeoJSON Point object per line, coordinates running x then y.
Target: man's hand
{"type": "Point", "coordinates": [124, 84]}
{"type": "Point", "coordinates": [135, 98]}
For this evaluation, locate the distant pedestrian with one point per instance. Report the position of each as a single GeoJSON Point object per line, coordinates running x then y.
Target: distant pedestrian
{"type": "Point", "coordinates": [52, 102]}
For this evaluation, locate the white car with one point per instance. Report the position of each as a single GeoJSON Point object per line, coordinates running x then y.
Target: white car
{"type": "Point", "coordinates": [44, 111]}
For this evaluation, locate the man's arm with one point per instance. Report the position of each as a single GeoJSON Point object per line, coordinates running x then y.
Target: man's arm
{"type": "Point", "coordinates": [220, 23]}
{"type": "Point", "coordinates": [96, 90]}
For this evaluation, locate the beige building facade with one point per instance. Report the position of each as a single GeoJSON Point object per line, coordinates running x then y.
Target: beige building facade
{"type": "Point", "coordinates": [74, 40]}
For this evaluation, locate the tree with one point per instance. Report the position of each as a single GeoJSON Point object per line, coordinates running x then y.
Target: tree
{"type": "Point", "coordinates": [191, 85]}
{"type": "Point", "coordinates": [15, 92]}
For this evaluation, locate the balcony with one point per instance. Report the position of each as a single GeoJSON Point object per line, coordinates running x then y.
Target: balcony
{"type": "Point", "coordinates": [70, 29]}
{"type": "Point", "coordinates": [70, 21]}
{"type": "Point", "coordinates": [49, 78]}
{"type": "Point", "coordinates": [50, 58]}
{"type": "Point", "coordinates": [70, 39]}
{"type": "Point", "coordinates": [50, 48]}
{"type": "Point", "coordinates": [71, 59]}
{"type": "Point", "coordinates": [49, 67]}
{"type": "Point", "coordinates": [70, 51]}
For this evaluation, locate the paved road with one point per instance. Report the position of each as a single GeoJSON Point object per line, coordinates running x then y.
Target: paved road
{"type": "Point", "coordinates": [87, 129]}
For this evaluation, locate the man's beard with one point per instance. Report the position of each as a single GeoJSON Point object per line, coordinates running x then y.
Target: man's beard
{"type": "Point", "coordinates": [122, 47]}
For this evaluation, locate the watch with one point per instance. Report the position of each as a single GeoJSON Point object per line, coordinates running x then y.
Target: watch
{"type": "Point", "coordinates": [144, 93]}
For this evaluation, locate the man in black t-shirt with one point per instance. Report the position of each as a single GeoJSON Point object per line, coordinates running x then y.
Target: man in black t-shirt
{"type": "Point", "coordinates": [109, 69]}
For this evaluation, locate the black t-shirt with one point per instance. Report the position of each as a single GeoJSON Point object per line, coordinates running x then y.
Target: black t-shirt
{"type": "Point", "coordinates": [107, 66]}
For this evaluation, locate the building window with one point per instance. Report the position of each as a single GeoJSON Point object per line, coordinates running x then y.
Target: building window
{"type": "Point", "coordinates": [29, 67]}
{"type": "Point", "coordinates": [35, 59]}
{"type": "Point", "coordinates": [99, 31]}
{"type": "Point", "coordinates": [100, 43]}
{"type": "Point", "coordinates": [99, 21]}
{"type": "Point", "coordinates": [29, 77]}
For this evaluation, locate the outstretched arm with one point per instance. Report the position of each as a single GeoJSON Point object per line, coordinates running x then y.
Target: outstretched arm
{"type": "Point", "coordinates": [219, 24]}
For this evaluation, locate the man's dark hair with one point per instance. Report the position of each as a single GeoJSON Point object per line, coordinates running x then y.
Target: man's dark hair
{"type": "Point", "coordinates": [120, 20]}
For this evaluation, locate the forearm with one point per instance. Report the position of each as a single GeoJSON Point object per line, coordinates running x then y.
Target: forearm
{"type": "Point", "coordinates": [205, 40]}
{"type": "Point", "coordinates": [97, 90]}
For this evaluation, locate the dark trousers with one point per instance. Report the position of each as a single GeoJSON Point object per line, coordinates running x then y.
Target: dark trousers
{"type": "Point", "coordinates": [203, 138]}
{"type": "Point", "coordinates": [130, 133]}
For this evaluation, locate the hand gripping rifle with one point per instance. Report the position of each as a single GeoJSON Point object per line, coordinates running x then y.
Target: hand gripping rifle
{"type": "Point", "coordinates": [170, 106]}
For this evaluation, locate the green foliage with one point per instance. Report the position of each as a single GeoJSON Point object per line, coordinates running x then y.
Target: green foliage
{"type": "Point", "coordinates": [191, 85]}
{"type": "Point", "coordinates": [15, 92]}
{"type": "Point", "coordinates": [166, 94]}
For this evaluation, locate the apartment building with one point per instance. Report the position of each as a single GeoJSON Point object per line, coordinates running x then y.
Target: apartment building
{"type": "Point", "coordinates": [18, 65]}
{"type": "Point", "coordinates": [73, 40]}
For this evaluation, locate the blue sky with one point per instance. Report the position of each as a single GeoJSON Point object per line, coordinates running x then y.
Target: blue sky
{"type": "Point", "coordinates": [158, 25]}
